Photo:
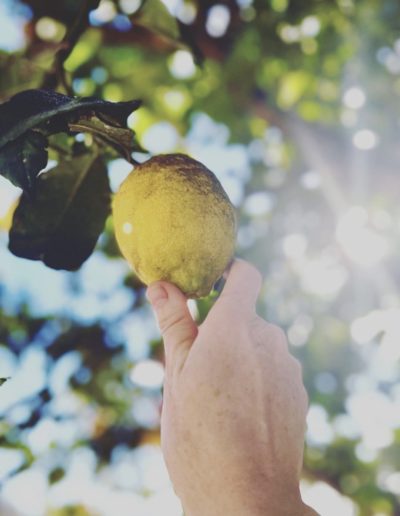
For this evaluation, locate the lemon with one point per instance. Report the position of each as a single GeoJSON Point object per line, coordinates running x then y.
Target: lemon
{"type": "Point", "coordinates": [174, 222]}
{"type": "Point", "coordinates": [7, 217]}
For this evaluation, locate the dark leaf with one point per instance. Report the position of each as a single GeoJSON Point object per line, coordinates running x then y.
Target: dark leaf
{"type": "Point", "coordinates": [113, 436]}
{"type": "Point", "coordinates": [79, 339]}
{"type": "Point", "coordinates": [3, 380]}
{"type": "Point", "coordinates": [30, 116]}
{"type": "Point", "coordinates": [188, 38]}
{"type": "Point", "coordinates": [33, 419]}
{"type": "Point", "coordinates": [154, 16]}
{"type": "Point", "coordinates": [56, 475]}
{"type": "Point", "coordinates": [22, 159]}
{"type": "Point", "coordinates": [52, 111]}
{"type": "Point", "coordinates": [62, 223]}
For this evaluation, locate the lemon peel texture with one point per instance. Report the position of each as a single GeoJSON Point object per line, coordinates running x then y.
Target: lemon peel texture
{"type": "Point", "coordinates": [174, 222]}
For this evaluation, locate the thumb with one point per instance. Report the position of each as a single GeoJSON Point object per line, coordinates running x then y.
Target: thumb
{"type": "Point", "coordinates": [174, 319]}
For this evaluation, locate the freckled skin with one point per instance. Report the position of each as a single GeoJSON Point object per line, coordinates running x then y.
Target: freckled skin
{"type": "Point", "coordinates": [182, 223]}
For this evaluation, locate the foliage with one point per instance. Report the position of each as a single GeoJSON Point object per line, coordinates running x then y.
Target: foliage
{"type": "Point", "coordinates": [295, 106]}
{"type": "Point", "coordinates": [74, 195]}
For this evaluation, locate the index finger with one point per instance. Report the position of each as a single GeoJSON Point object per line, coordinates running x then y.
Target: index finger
{"type": "Point", "coordinates": [242, 287]}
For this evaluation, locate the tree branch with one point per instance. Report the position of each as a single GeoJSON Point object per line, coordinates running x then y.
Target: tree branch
{"type": "Point", "coordinates": [57, 74]}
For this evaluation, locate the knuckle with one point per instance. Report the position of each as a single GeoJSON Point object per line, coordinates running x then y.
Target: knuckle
{"type": "Point", "coordinates": [303, 399]}
{"type": "Point", "coordinates": [306, 398]}
{"type": "Point", "coordinates": [256, 323]}
{"type": "Point", "coordinates": [268, 334]}
{"type": "Point", "coordinates": [297, 369]}
{"type": "Point", "coordinates": [278, 335]}
{"type": "Point", "coordinates": [258, 329]}
{"type": "Point", "coordinates": [169, 321]}
{"type": "Point", "coordinates": [231, 299]}
{"type": "Point", "coordinates": [255, 274]}
{"type": "Point", "coordinates": [298, 376]}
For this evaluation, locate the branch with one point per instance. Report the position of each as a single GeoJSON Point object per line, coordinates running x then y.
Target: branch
{"type": "Point", "coordinates": [57, 74]}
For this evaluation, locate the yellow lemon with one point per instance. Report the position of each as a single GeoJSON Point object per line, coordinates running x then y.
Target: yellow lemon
{"type": "Point", "coordinates": [7, 217]}
{"type": "Point", "coordinates": [174, 222]}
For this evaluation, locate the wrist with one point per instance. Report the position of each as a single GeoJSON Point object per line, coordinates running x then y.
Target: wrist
{"type": "Point", "coordinates": [289, 505]}
{"type": "Point", "coordinates": [243, 511]}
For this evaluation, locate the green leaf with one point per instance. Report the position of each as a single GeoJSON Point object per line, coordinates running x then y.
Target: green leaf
{"type": "Point", "coordinates": [3, 380]}
{"type": "Point", "coordinates": [60, 225]}
{"type": "Point", "coordinates": [56, 475]}
{"type": "Point", "coordinates": [30, 116]}
{"type": "Point", "coordinates": [292, 88]}
{"type": "Point", "coordinates": [155, 16]}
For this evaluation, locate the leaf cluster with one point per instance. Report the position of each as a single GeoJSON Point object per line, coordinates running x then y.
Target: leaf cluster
{"type": "Point", "coordinates": [61, 212]}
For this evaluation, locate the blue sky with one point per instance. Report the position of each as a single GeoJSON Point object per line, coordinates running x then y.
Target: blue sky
{"type": "Point", "coordinates": [13, 16]}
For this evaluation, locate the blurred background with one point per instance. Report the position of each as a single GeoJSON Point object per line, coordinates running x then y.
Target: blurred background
{"type": "Point", "coordinates": [295, 105]}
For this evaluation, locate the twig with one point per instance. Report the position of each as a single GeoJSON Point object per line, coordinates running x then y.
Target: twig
{"type": "Point", "coordinates": [57, 74]}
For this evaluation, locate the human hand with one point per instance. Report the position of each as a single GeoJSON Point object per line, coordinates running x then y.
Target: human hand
{"type": "Point", "coordinates": [234, 409]}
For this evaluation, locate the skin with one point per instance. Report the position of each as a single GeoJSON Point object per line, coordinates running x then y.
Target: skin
{"type": "Point", "coordinates": [234, 409]}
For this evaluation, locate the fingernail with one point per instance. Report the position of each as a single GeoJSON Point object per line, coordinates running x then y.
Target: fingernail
{"type": "Point", "coordinates": [157, 296]}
